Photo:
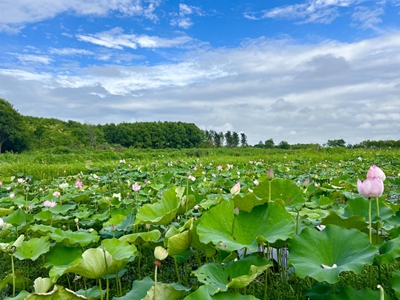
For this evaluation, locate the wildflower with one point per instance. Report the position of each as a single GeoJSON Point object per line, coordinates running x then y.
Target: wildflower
{"type": "Point", "coordinates": [56, 194]}
{"type": "Point", "coordinates": [136, 187]}
{"type": "Point", "coordinates": [235, 189]}
{"type": "Point", "coordinates": [49, 203]}
{"type": "Point", "coordinates": [78, 184]}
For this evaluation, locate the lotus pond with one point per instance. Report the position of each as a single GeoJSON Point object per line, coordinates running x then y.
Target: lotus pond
{"type": "Point", "coordinates": [201, 228]}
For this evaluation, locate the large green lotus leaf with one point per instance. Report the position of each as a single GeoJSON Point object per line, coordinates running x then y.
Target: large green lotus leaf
{"type": "Point", "coordinates": [349, 293]}
{"type": "Point", "coordinates": [179, 243]}
{"type": "Point", "coordinates": [139, 289]}
{"type": "Point", "coordinates": [165, 291]}
{"type": "Point", "coordinates": [33, 248]}
{"type": "Point", "coordinates": [92, 264]}
{"type": "Point", "coordinates": [356, 222]}
{"type": "Point", "coordinates": [20, 296]}
{"type": "Point", "coordinates": [336, 247]}
{"type": "Point", "coordinates": [20, 281]}
{"type": "Point", "coordinates": [247, 202]}
{"type": "Point", "coordinates": [57, 293]}
{"type": "Point", "coordinates": [204, 294]}
{"type": "Point", "coordinates": [396, 282]}
{"type": "Point", "coordinates": [220, 226]}
{"type": "Point", "coordinates": [389, 252]}
{"type": "Point", "coordinates": [208, 249]}
{"type": "Point", "coordinates": [237, 274]}
{"type": "Point", "coordinates": [17, 217]}
{"type": "Point", "coordinates": [360, 206]}
{"type": "Point", "coordinates": [42, 229]}
{"type": "Point", "coordinates": [121, 252]}
{"type": "Point", "coordinates": [320, 201]}
{"type": "Point", "coordinates": [62, 256]}
{"type": "Point", "coordinates": [92, 293]}
{"type": "Point", "coordinates": [62, 209]}
{"type": "Point", "coordinates": [244, 271]}
{"type": "Point", "coordinates": [283, 189]}
{"type": "Point", "coordinates": [141, 237]}
{"type": "Point", "coordinates": [161, 213]}
{"type": "Point", "coordinates": [74, 237]}
{"type": "Point", "coordinates": [6, 211]}
{"type": "Point", "coordinates": [81, 197]}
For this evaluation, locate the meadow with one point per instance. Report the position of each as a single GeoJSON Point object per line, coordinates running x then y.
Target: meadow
{"type": "Point", "coordinates": [240, 223]}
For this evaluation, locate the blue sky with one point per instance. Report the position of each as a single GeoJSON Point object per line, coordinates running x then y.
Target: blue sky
{"type": "Point", "coordinates": [300, 71]}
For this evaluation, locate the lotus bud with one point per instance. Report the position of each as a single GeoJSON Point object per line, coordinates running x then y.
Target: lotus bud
{"type": "Point", "coordinates": [270, 174]}
{"type": "Point", "coordinates": [235, 189]}
{"type": "Point", "coordinates": [306, 182]}
{"type": "Point", "coordinates": [370, 187]}
{"type": "Point", "coordinates": [236, 211]}
{"type": "Point", "coordinates": [160, 253]}
{"type": "Point", "coordinates": [376, 172]}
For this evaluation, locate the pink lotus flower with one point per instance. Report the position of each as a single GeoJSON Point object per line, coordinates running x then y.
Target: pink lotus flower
{"type": "Point", "coordinates": [49, 203]}
{"type": "Point", "coordinates": [376, 172]}
{"type": "Point", "coordinates": [78, 184]}
{"type": "Point", "coordinates": [56, 194]}
{"type": "Point", "coordinates": [270, 174]}
{"type": "Point", "coordinates": [235, 189]}
{"type": "Point", "coordinates": [370, 187]}
{"type": "Point", "coordinates": [136, 187]}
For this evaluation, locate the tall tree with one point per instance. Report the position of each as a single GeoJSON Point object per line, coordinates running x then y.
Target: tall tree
{"type": "Point", "coordinates": [11, 125]}
{"type": "Point", "coordinates": [243, 139]}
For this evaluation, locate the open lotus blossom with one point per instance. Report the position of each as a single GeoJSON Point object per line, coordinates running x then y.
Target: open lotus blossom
{"type": "Point", "coordinates": [376, 172]}
{"type": "Point", "coordinates": [235, 189]}
{"type": "Point", "coordinates": [370, 187]}
{"type": "Point", "coordinates": [78, 184]}
{"type": "Point", "coordinates": [49, 203]}
{"type": "Point", "coordinates": [56, 194]}
{"type": "Point", "coordinates": [192, 178]}
{"type": "Point", "coordinates": [136, 187]}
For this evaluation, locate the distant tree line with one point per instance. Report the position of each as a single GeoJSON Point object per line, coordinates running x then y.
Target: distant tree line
{"type": "Point", "coordinates": [19, 133]}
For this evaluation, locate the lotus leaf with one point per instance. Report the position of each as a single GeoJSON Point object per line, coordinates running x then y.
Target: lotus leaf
{"type": "Point", "coordinates": [349, 293]}
{"type": "Point", "coordinates": [139, 289]}
{"type": "Point", "coordinates": [74, 237]}
{"type": "Point", "coordinates": [57, 293]}
{"type": "Point", "coordinates": [141, 237]}
{"type": "Point", "coordinates": [237, 274]}
{"type": "Point", "coordinates": [389, 252]}
{"type": "Point", "coordinates": [203, 294]}
{"type": "Point", "coordinates": [396, 282]}
{"type": "Point", "coordinates": [20, 296]}
{"type": "Point", "coordinates": [92, 264]}
{"type": "Point", "coordinates": [282, 189]}
{"type": "Point", "coordinates": [161, 213]}
{"type": "Point", "coordinates": [6, 211]}
{"type": "Point", "coordinates": [323, 255]}
{"type": "Point", "coordinates": [33, 248]}
{"type": "Point", "coordinates": [121, 252]}
{"type": "Point", "coordinates": [220, 226]}
{"type": "Point", "coordinates": [166, 291]}
{"type": "Point", "coordinates": [42, 285]}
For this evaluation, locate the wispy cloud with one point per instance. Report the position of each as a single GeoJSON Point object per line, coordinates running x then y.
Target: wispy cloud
{"type": "Point", "coordinates": [17, 13]}
{"type": "Point", "coordinates": [311, 11]}
{"type": "Point", "coordinates": [116, 39]}
{"type": "Point", "coordinates": [368, 17]}
{"type": "Point", "coordinates": [29, 58]}
{"type": "Point", "coordinates": [70, 51]}
{"type": "Point", "coordinates": [182, 19]}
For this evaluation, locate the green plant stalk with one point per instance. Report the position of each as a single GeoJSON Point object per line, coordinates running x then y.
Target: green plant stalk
{"type": "Point", "coordinates": [177, 270]}
{"type": "Point", "coordinates": [107, 279]}
{"type": "Point", "coordinates": [155, 283]}
{"type": "Point", "coordinates": [377, 223]}
{"type": "Point", "coordinates": [101, 290]}
{"type": "Point", "coordinates": [370, 220]}
{"type": "Point", "coordinates": [269, 190]}
{"type": "Point", "coordinates": [297, 221]}
{"type": "Point", "coordinates": [13, 273]}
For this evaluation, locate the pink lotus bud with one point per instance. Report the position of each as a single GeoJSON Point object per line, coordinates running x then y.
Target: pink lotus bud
{"type": "Point", "coordinates": [370, 187]}
{"type": "Point", "coordinates": [270, 174]}
{"type": "Point", "coordinates": [78, 184]}
{"type": "Point", "coordinates": [235, 189]}
{"type": "Point", "coordinates": [306, 182]}
{"type": "Point", "coordinates": [236, 211]}
{"type": "Point", "coordinates": [376, 172]}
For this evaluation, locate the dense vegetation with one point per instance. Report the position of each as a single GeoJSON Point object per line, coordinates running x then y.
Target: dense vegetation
{"type": "Point", "coordinates": [20, 133]}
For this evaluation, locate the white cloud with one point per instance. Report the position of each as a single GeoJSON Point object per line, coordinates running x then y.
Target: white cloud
{"type": "Point", "coordinates": [17, 13]}
{"type": "Point", "coordinates": [368, 17]}
{"type": "Point", "coordinates": [29, 58]}
{"type": "Point", "coordinates": [182, 19]}
{"type": "Point", "coordinates": [265, 88]}
{"type": "Point", "coordinates": [70, 51]}
{"type": "Point", "coordinates": [311, 11]}
{"type": "Point", "coordinates": [115, 38]}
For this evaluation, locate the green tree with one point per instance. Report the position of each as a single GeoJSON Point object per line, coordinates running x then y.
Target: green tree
{"type": "Point", "coordinates": [284, 145]}
{"type": "Point", "coordinates": [11, 127]}
{"type": "Point", "coordinates": [269, 143]}
{"type": "Point", "coordinates": [243, 139]}
{"type": "Point", "coordinates": [336, 143]}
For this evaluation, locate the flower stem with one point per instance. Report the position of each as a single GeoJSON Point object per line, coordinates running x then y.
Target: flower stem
{"type": "Point", "coordinates": [370, 220]}
{"type": "Point", "coordinates": [13, 273]}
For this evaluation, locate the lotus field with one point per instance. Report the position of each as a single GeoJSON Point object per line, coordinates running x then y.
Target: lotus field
{"type": "Point", "coordinates": [199, 228]}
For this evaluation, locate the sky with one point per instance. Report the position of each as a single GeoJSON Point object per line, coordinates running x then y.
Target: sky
{"type": "Point", "coordinates": [301, 71]}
